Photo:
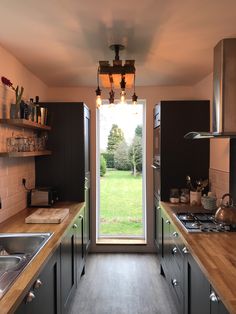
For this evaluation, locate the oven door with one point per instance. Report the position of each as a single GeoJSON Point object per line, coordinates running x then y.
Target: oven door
{"type": "Point", "coordinates": [157, 144]}
{"type": "Point", "coordinates": [157, 180]}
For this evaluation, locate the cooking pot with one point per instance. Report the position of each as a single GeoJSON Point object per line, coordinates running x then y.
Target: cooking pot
{"type": "Point", "coordinates": [226, 213]}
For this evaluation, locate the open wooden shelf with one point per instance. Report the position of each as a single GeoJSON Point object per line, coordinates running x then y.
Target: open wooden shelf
{"type": "Point", "coordinates": [25, 154]}
{"type": "Point", "coordinates": [23, 123]}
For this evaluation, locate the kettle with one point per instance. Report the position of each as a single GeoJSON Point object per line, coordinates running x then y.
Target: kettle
{"type": "Point", "coordinates": [226, 213]}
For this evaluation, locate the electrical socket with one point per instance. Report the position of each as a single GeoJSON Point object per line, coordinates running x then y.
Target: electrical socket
{"type": "Point", "coordinates": [23, 181]}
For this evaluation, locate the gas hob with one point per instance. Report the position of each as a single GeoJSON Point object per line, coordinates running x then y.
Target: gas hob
{"type": "Point", "coordinates": [202, 222]}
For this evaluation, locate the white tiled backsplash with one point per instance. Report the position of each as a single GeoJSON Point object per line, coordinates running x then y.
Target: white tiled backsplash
{"type": "Point", "coordinates": [12, 192]}
{"type": "Point", "coordinates": [12, 170]}
{"type": "Point", "coordinates": [219, 182]}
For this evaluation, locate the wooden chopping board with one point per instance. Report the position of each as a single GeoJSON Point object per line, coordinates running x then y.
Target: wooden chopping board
{"type": "Point", "coordinates": [47, 216]}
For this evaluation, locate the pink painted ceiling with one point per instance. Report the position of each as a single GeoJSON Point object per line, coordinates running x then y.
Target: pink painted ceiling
{"type": "Point", "coordinates": [61, 41]}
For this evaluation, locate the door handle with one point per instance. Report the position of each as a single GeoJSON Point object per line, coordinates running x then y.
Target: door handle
{"type": "Point", "coordinates": [154, 167]}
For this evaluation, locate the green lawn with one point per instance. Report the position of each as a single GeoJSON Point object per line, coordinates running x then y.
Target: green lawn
{"type": "Point", "coordinates": [120, 204]}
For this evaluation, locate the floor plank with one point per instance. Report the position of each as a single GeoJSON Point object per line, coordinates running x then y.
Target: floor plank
{"type": "Point", "coordinates": [122, 284]}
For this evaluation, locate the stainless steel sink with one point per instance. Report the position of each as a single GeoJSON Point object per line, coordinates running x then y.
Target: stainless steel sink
{"type": "Point", "coordinates": [21, 243]}
{"type": "Point", "coordinates": [8, 263]}
{"type": "Point", "coordinates": [16, 251]}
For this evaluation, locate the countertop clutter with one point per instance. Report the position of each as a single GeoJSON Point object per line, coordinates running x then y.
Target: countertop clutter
{"type": "Point", "coordinates": [16, 224]}
{"type": "Point", "coordinates": [214, 252]}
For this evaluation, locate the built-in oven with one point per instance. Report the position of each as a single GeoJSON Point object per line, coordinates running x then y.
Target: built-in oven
{"type": "Point", "coordinates": [156, 180]}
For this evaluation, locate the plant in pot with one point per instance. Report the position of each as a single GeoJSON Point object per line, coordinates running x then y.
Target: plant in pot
{"type": "Point", "coordinates": [16, 107]}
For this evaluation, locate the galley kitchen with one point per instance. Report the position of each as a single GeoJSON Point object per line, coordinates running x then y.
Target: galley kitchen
{"type": "Point", "coordinates": [117, 157]}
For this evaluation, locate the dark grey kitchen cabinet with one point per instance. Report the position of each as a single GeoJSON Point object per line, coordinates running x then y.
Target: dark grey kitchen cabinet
{"type": "Point", "coordinates": [68, 168]}
{"type": "Point", "coordinates": [191, 291]}
{"type": "Point", "coordinates": [158, 226]}
{"type": "Point", "coordinates": [198, 289]}
{"type": "Point", "coordinates": [72, 261]}
{"type": "Point", "coordinates": [68, 270]}
{"type": "Point", "coordinates": [44, 295]}
{"type": "Point", "coordinates": [200, 296]}
{"type": "Point", "coordinates": [172, 261]}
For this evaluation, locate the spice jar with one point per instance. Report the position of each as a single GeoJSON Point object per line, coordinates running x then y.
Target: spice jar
{"type": "Point", "coordinates": [174, 196]}
{"type": "Point", "coordinates": [184, 196]}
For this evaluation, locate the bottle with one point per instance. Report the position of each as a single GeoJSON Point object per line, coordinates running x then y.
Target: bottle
{"type": "Point", "coordinates": [38, 111]}
{"type": "Point", "coordinates": [32, 109]}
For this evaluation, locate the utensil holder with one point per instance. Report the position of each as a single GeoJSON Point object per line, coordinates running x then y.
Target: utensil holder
{"type": "Point", "coordinates": [195, 198]}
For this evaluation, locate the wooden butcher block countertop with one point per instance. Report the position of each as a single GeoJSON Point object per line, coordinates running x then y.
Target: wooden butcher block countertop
{"type": "Point", "coordinates": [215, 253]}
{"type": "Point", "coordinates": [16, 224]}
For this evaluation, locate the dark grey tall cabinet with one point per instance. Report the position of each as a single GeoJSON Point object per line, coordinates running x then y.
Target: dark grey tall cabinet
{"type": "Point", "coordinates": [68, 168]}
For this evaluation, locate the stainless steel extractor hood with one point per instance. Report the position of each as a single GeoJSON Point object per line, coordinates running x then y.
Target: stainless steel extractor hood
{"type": "Point", "coordinates": [224, 92]}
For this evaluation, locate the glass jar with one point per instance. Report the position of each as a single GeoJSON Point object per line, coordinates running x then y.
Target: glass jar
{"type": "Point", "coordinates": [174, 196]}
{"type": "Point", "coordinates": [184, 196]}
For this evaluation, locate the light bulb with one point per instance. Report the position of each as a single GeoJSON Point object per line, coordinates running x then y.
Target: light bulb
{"type": "Point", "coordinates": [98, 101]}
{"type": "Point", "coordinates": [122, 96]}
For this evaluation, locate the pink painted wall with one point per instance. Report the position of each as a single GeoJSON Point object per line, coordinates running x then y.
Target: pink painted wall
{"type": "Point", "coordinates": [152, 95]}
{"type": "Point", "coordinates": [12, 170]}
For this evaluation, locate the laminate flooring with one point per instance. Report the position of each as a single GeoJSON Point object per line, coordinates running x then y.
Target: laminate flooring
{"type": "Point", "coordinates": [122, 284]}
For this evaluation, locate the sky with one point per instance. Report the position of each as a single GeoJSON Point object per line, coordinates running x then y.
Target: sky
{"type": "Point", "coordinates": [127, 117]}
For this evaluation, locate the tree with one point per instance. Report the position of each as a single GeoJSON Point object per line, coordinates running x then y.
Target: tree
{"type": "Point", "coordinates": [139, 130]}
{"type": "Point", "coordinates": [121, 157]}
{"type": "Point", "coordinates": [115, 137]}
{"type": "Point", "coordinates": [135, 155]}
{"type": "Point", "coordinates": [103, 166]}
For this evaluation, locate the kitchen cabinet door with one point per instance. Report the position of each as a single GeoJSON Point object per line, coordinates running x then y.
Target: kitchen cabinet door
{"type": "Point", "coordinates": [68, 271]}
{"type": "Point", "coordinates": [79, 245]}
{"type": "Point", "coordinates": [158, 226]}
{"type": "Point", "coordinates": [166, 240]}
{"type": "Point", "coordinates": [198, 295]}
{"type": "Point", "coordinates": [86, 231]}
{"type": "Point", "coordinates": [44, 295]}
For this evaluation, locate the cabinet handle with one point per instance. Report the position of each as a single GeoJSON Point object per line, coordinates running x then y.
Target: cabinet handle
{"type": "Point", "coordinates": [167, 222]}
{"type": "Point", "coordinates": [38, 283]}
{"type": "Point", "coordinates": [75, 226]}
{"type": "Point", "coordinates": [174, 282]}
{"type": "Point", "coordinates": [158, 207]}
{"type": "Point", "coordinates": [175, 234]}
{"type": "Point", "coordinates": [81, 217]}
{"type": "Point", "coordinates": [214, 297]}
{"type": "Point", "coordinates": [185, 250]}
{"type": "Point", "coordinates": [30, 297]}
{"type": "Point", "coordinates": [174, 250]}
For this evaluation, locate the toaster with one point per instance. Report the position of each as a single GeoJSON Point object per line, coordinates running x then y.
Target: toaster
{"type": "Point", "coordinates": [42, 197]}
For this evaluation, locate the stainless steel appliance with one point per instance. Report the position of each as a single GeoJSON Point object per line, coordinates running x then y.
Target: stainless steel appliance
{"type": "Point", "coordinates": [202, 222]}
{"type": "Point", "coordinates": [224, 96]}
{"type": "Point", "coordinates": [42, 197]}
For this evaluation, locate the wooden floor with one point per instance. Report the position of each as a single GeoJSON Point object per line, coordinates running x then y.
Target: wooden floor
{"type": "Point", "coordinates": [122, 284]}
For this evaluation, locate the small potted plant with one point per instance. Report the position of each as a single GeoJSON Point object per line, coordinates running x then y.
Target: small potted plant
{"type": "Point", "coordinates": [15, 108]}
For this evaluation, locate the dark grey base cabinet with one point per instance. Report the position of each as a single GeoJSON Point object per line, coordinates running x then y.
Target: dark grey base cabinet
{"type": "Point", "coordinates": [72, 261]}
{"type": "Point", "coordinates": [191, 290]}
{"type": "Point", "coordinates": [200, 296]}
{"type": "Point", "coordinates": [45, 298]}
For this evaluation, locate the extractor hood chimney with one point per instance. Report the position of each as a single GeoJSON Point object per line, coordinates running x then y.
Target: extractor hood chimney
{"type": "Point", "coordinates": [224, 92]}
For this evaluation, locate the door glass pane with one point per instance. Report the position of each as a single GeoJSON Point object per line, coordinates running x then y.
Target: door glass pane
{"type": "Point", "coordinates": [121, 171]}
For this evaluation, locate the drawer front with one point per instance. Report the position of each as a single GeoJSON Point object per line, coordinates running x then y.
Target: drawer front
{"type": "Point", "coordinates": [176, 273]}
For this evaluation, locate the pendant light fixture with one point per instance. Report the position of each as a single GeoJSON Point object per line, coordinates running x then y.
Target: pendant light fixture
{"type": "Point", "coordinates": [117, 75]}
